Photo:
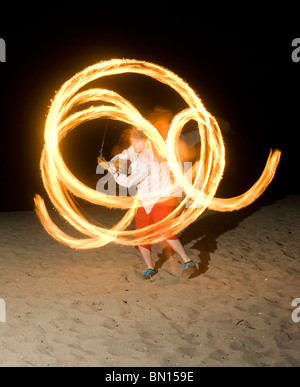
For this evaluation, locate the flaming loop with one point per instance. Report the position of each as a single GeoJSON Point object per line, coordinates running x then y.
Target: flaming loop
{"type": "Point", "coordinates": [200, 191]}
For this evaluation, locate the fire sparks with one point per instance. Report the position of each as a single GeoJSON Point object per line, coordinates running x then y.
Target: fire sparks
{"type": "Point", "coordinates": [200, 190]}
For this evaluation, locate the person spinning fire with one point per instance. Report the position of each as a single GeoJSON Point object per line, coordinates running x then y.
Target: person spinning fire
{"type": "Point", "coordinates": [153, 183]}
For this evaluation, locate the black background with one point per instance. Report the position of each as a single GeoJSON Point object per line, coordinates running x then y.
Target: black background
{"type": "Point", "coordinates": [242, 74]}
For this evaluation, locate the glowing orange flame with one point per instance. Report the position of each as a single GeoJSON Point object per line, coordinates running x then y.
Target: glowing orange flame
{"type": "Point", "coordinates": [200, 190]}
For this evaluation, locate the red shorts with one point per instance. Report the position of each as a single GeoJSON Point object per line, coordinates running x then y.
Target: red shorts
{"type": "Point", "coordinates": [159, 212]}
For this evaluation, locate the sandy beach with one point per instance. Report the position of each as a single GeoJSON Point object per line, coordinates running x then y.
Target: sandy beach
{"type": "Point", "coordinates": [93, 308]}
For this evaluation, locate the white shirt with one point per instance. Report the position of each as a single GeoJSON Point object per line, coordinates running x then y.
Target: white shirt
{"type": "Point", "coordinates": [151, 177]}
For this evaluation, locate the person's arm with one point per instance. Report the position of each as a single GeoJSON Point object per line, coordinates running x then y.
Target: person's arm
{"type": "Point", "coordinates": [139, 171]}
{"type": "Point", "coordinates": [113, 165]}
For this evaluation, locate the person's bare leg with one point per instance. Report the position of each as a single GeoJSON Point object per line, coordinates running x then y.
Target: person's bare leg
{"type": "Point", "coordinates": [188, 270]}
{"type": "Point", "coordinates": [179, 249]}
{"type": "Point", "coordinates": [146, 254]}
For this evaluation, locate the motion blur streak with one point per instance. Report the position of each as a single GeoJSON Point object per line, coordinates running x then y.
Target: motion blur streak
{"type": "Point", "coordinates": [199, 185]}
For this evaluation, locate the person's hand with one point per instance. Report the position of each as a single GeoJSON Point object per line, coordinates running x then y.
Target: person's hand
{"type": "Point", "coordinates": [122, 166]}
{"type": "Point", "coordinates": [117, 165]}
{"type": "Point", "coordinates": [108, 166]}
{"type": "Point", "coordinates": [112, 168]}
{"type": "Point", "coordinates": [104, 164]}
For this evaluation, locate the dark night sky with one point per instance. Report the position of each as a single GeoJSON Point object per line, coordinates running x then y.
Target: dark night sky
{"type": "Point", "coordinates": [245, 77]}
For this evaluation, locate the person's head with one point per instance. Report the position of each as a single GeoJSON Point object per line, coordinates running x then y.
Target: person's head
{"type": "Point", "coordinates": [138, 140]}
{"type": "Point", "coordinates": [161, 118]}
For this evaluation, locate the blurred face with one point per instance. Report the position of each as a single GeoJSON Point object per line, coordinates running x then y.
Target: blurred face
{"type": "Point", "coordinates": [138, 144]}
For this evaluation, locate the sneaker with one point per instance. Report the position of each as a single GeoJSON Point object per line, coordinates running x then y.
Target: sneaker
{"type": "Point", "coordinates": [149, 274]}
{"type": "Point", "coordinates": [188, 269]}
